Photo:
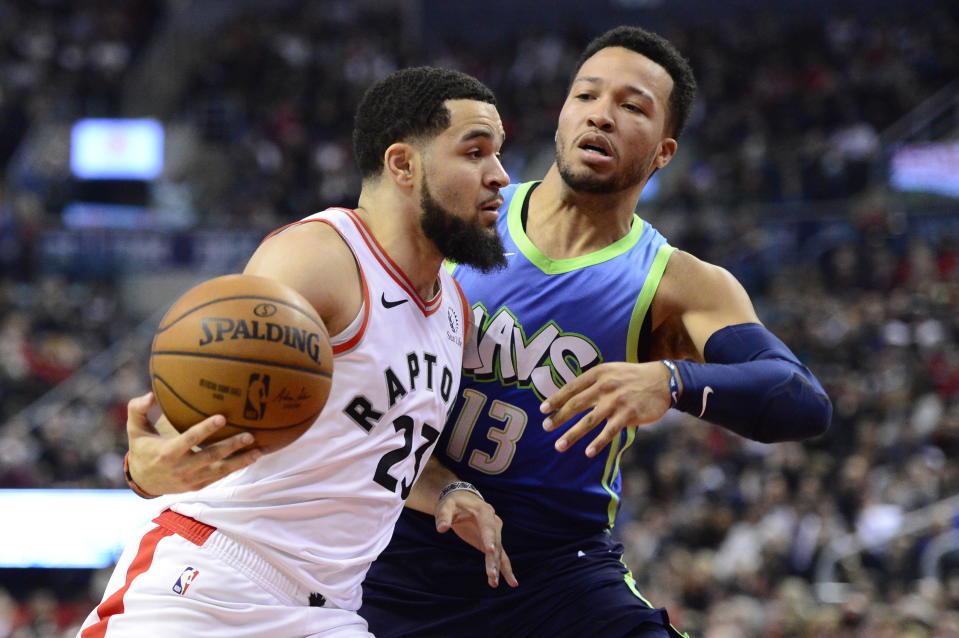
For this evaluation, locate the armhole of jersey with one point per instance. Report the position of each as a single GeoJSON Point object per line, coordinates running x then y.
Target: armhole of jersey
{"type": "Point", "coordinates": [645, 346]}
{"type": "Point", "coordinates": [349, 337]}
{"type": "Point", "coordinates": [466, 311]}
{"type": "Point", "coordinates": [638, 321]}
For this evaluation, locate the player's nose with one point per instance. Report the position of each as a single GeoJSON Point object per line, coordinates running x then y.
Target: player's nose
{"type": "Point", "coordinates": [497, 177]}
{"type": "Point", "coordinates": [600, 117]}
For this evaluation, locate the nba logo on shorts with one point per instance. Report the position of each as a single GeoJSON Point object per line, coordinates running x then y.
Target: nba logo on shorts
{"type": "Point", "coordinates": [185, 580]}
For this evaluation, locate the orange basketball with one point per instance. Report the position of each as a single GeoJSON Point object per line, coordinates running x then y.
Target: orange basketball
{"type": "Point", "coordinates": [249, 348]}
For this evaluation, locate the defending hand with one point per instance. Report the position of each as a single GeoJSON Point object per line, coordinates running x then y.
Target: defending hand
{"type": "Point", "coordinates": [475, 521]}
{"type": "Point", "coordinates": [622, 394]}
{"type": "Point", "coordinates": [168, 465]}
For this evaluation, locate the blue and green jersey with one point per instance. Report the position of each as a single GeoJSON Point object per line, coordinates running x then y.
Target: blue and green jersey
{"type": "Point", "coordinates": [539, 323]}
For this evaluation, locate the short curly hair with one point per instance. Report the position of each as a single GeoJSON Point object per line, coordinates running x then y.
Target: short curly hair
{"type": "Point", "coordinates": [408, 106]}
{"type": "Point", "coordinates": [662, 52]}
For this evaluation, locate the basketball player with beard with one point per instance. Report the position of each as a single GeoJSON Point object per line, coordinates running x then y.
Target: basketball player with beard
{"type": "Point", "coordinates": [280, 547]}
{"type": "Point", "coordinates": [597, 326]}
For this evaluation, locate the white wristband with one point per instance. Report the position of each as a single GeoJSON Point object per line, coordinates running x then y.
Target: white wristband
{"type": "Point", "coordinates": [459, 485]}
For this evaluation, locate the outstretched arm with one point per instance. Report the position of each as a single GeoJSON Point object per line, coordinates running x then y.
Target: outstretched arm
{"type": "Point", "coordinates": [455, 506]}
{"type": "Point", "coordinates": [722, 365]}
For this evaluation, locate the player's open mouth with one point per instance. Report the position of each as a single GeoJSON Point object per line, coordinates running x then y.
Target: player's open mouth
{"type": "Point", "coordinates": [492, 206]}
{"type": "Point", "coordinates": [595, 149]}
{"type": "Point", "coordinates": [596, 144]}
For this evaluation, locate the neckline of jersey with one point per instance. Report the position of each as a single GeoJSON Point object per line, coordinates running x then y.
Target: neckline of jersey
{"type": "Point", "coordinates": [427, 306]}
{"type": "Point", "coordinates": [520, 202]}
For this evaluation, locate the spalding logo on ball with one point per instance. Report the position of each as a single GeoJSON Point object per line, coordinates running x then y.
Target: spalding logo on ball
{"type": "Point", "coordinates": [249, 348]}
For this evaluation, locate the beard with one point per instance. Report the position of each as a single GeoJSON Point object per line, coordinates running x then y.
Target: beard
{"type": "Point", "coordinates": [458, 240]}
{"type": "Point", "coordinates": [589, 182]}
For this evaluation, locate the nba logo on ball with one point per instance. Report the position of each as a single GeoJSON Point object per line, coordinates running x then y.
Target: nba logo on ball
{"type": "Point", "coordinates": [257, 392]}
{"type": "Point", "coordinates": [185, 580]}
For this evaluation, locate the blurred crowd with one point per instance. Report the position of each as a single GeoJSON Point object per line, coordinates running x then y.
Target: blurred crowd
{"type": "Point", "coordinates": [786, 112]}
{"type": "Point", "coordinates": [63, 59]}
{"type": "Point", "coordinates": [59, 60]}
{"type": "Point", "coordinates": [726, 533]}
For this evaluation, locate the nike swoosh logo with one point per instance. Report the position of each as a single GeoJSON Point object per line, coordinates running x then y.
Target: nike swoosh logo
{"type": "Point", "coordinates": [391, 304]}
{"type": "Point", "coordinates": [706, 392]}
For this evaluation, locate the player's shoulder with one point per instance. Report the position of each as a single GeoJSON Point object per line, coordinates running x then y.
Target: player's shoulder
{"type": "Point", "coordinates": [314, 259]}
{"type": "Point", "coordinates": [689, 281]}
{"type": "Point", "coordinates": [684, 264]}
{"type": "Point", "coordinates": [312, 241]}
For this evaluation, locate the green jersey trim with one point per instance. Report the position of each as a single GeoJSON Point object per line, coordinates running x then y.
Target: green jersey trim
{"type": "Point", "coordinates": [560, 266]}
{"type": "Point", "coordinates": [450, 266]}
{"type": "Point", "coordinates": [631, 583]}
{"type": "Point", "coordinates": [644, 300]}
{"type": "Point", "coordinates": [640, 309]}
{"type": "Point", "coordinates": [611, 462]}
{"type": "Point", "coordinates": [612, 471]}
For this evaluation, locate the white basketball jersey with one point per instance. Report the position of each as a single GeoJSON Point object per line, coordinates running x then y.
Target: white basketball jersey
{"type": "Point", "coordinates": [322, 508]}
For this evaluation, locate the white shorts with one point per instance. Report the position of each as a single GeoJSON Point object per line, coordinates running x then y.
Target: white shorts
{"type": "Point", "coordinates": [184, 578]}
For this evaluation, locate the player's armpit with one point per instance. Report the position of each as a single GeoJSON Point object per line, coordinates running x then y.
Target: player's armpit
{"type": "Point", "coordinates": [741, 375]}
{"type": "Point", "coordinates": [694, 300]}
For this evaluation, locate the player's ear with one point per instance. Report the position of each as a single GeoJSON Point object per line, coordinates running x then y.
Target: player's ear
{"type": "Point", "coordinates": [399, 161]}
{"type": "Point", "coordinates": [667, 148]}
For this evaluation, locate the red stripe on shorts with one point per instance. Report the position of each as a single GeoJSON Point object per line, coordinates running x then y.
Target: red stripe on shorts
{"type": "Point", "coordinates": [185, 526]}
{"type": "Point", "coordinates": [141, 563]}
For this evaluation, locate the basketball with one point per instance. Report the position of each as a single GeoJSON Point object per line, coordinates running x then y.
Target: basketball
{"type": "Point", "coordinates": [249, 348]}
